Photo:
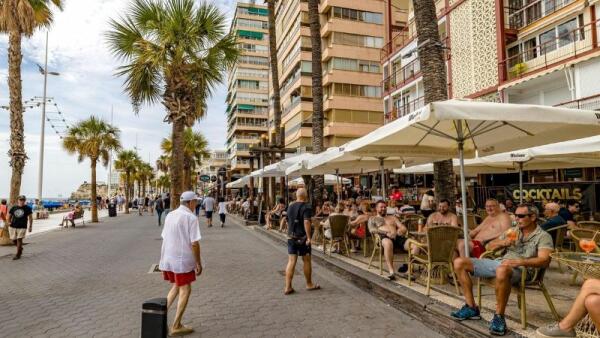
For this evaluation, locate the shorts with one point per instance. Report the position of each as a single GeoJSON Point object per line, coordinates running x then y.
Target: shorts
{"type": "Point", "coordinates": [478, 249]}
{"type": "Point", "coordinates": [222, 217]}
{"type": "Point", "coordinates": [486, 268]}
{"type": "Point", "coordinates": [209, 214]}
{"type": "Point", "coordinates": [16, 233]}
{"type": "Point", "coordinates": [180, 279]}
{"type": "Point", "coordinates": [398, 242]}
{"type": "Point", "coordinates": [297, 249]}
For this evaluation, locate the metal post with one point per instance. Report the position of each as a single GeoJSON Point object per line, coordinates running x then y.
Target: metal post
{"type": "Point", "coordinates": [338, 180]}
{"type": "Point", "coordinates": [383, 188]}
{"type": "Point", "coordinates": [520, 182]}
{"type": "Point", "coordinates": [463, 194]}
{"type": "Point", "coordinates": [43, 128]}
{"type": "Point", "coordinates": [110, 158]}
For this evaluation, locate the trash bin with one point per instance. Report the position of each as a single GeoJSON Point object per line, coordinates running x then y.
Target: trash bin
{"type": "Point", "coordinates": [112, 210]}
{"type": "Point", "coordinates": [154, 318]}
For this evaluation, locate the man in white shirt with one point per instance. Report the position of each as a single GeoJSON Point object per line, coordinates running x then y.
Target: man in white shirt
{"type": "Point", "coordinates": [180, 256]}
{"type": "Point", "coordinates": [209, 206]}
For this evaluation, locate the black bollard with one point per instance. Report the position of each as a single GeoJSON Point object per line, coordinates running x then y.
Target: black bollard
{"type": "Point", "coordinates": [154, 318]}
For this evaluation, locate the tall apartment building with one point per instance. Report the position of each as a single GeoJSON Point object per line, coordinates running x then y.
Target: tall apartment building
{"type": "Point", "coordinates": [522, 51]}
{"type": "Point", "coordinates": [217, 159]}
{"type": "Point", "coordinates": [517, 51]}
{"type": "Point", "coordinates": [352, 35]}
{"type": "Point", "coordinates": [248, 88]}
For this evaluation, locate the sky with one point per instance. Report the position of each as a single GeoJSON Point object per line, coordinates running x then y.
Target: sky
{"type": "Point", "coordinates": [86, 86]}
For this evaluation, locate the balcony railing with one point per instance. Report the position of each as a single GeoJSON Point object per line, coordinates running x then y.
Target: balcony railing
{"type": "Point", "coordinates": [405, 109]}
{"type": "Point", "coordinates": [587, 103]}
{"type": "Point", "coordinates": [551, 53]}
{"type": "Point", "coordinates": [402, 76]}
{"type": "Point", "coordinates": [401, 39]}
{"type": "Point", "coordinates": [295, 102]}
{"type": "Point", "coordinates": [518, 18]}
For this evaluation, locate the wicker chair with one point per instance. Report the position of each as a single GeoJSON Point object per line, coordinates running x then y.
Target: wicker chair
{"type": "Point", "coordinates": [472, 220]}
{"type": "Point", "coordinates": [536, 282]}
{"type": "Point", "coordinates": [376, 248]}
{"type": "Point", "coordinates": [559, 232]}
{"type": "Point", "coordinates": [339, 232]}
{"type": "Point", "coordinates": [589, 225]}
{"type": "Point", "coordinates": [438, 251]}
{"type": "Point", "coordinates": [579, 234]}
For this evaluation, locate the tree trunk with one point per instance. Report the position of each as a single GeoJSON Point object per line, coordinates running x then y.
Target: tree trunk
{"type": "Point", "coordinates": [17, 136]}
{"type": "Point", "coordinates": [317, 93]}
{"type": "Point", "coordinates": [435, 83]}
{"type": "Point", "coordinates": [279, 139]}
{"type": "Point", "coordinates": [176, 170]}
{"type": "Point", "coordinates": [187, 176]}
{"type": "Point", "coordinates": [94, 193]}
{"type": "Point", "coordinates": [127, 189]}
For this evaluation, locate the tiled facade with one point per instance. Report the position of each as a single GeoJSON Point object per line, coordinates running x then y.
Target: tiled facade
{"type": "Point", "coordinates": [352, 36]}
{"type": "Point", "coordinates": [248, 85]}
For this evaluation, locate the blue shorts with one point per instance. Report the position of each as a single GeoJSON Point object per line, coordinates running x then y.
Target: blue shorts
{"type": "Point", "coordinates": [209, 214]}
{"type": "Point", "coordinates": [297, 249]}
{"type": "Point", "coordinates": [486, 268]}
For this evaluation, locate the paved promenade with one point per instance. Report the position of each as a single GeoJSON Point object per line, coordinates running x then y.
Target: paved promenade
{"type": "Point", "coordinates": [91, 282]}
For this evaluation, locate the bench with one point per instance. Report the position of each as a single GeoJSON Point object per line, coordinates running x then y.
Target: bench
{"type": "Point", "coordinates": [77, 215]}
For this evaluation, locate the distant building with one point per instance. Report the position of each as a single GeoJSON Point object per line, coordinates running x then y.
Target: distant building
{"type": "Point", "coordinates": [84, 192]}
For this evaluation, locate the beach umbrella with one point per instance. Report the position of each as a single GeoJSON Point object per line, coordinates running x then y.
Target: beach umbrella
{"type": "Point", "coordinates": [445, 129]}
{"type": "Point", "coordinates": [329, 180]}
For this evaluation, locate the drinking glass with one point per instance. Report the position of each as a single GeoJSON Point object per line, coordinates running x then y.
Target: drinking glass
{"type": "Point", "coordinates": [587, 245]}
{"type": "Point", "coordinates": [512, 235]}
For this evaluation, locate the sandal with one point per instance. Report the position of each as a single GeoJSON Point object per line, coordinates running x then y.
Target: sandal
{"type": "Point", "coordinates": [315, 287]}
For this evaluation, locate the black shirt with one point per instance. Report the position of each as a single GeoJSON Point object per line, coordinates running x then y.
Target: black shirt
{"type": "Point", "coordinates": [18, 216]}
{"type": "Point", "coordinates": [297, 213]}
{"type": "Point", "coordinates": [566, 214]}
{"type": "Point", "coordinates": [167, 203]}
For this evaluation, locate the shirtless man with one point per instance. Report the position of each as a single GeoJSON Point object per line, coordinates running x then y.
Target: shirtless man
{"type": "Point", "coordinates": [392, 233]}
{"type": "Point", "coordinates": [494, 225]}
{"type": "Point", "coordinates": [443, 215]}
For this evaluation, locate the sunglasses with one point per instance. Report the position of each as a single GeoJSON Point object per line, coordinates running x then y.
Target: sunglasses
{"type": "Point", "coordinates": [521, 215]}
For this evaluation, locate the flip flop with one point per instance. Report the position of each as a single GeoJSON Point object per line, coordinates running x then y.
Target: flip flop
{"type": "Point", "coordinates": [316, 287]}
{"type": "Point", "coordinates": [289, 292]}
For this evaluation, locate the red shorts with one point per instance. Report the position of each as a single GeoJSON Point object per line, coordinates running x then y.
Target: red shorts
{"type": "Point", "coordinates": [478, 249]}
{"type": "Point", "coordinates": [180, 279]}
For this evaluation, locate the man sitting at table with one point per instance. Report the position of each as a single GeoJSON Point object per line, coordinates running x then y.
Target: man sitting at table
{"type": "Point", "coordinates": [443, 215]}
{"type": "Point", "coordinates": [406, 208]}
{"type": "Point", "coordinates": [392, 234]}
{"type": "Point", "coordinates": [553, 219]}
{"type": "Point", "coordinates": [527, 246]}
{"type": "Point", "coordinates": [494, 225]}
{"type": "Point", "coordinates": [569, 211]}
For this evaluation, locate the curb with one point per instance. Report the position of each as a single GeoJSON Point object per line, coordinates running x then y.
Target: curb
{"type": "Point", "coordinates": [427, 310]}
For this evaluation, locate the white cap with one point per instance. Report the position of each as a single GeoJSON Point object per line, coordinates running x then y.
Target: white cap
{"type": "Point", "coordinates": [187, 196]}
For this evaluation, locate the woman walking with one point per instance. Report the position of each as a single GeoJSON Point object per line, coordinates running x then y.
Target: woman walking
{"type": "Point", "coordinates": [159, 206]}
{"type": "Point", "coordinates": [222, 210]}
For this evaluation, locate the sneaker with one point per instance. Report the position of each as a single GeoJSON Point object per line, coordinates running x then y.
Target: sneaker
{"type": "Point", "coordinates": [466, 312]}
{"type": "Point", "coordinates": [498, 325]}
{"type": "Point", "coordinates": [554, 331]}
{"type": "Point", "coordinates": [391, 276]}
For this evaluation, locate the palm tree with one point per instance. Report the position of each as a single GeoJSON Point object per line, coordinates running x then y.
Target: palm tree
{"type": "Point", "coordinates": [20, 18]}
{"type": "Point", "coordinates": [175, 52]}
{"type": "Point", "coordinates": [195, 148]}
{"type": "Point", "coordinates": [163, 182]}
{"type": "Point", "coordinates": [278, 141]}
{"type": "Point", "coordinates": [318, 183]}
{"type": "Point", "coordinates": [127, 161]}
{"type": "Point", "coordinates": [144, 174]}
{"type": "Point", "coordinates": [93, 139]}
{"type": "Point", "coordinates": [435, 83]}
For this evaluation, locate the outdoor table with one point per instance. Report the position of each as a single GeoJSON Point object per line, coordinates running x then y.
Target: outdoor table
{"type": "Point", "coordinates": [578, 261]}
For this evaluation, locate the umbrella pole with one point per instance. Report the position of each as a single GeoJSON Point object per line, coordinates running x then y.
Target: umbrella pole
{"type": "Point", "coordinates": [520, 182]}
{"type": "Point", "coordinates": [383, 192]}
{"type": "Point", "coordinates": [463, 194]}
{"type": "Point", "coordinates": [337, 178]}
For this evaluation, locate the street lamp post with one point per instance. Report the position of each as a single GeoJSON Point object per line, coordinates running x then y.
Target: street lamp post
{"type": "Point", "coordinates": [43, 128]}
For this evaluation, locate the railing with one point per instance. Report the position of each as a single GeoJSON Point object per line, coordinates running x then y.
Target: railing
{"type": "Point", "coordinates": [401, 39]}
{"type": "Point", "coordinates": [295, 102]}
{"type": "Point", "coordinates": [402, 76]}
{"type": "Point", "coordinates": [587, 103]}
{"type": "Point", "coordinates": [567, 46]}
{"type": "Point", "coordinates": [289, 82]}
{"type": "Point", "coordinates": [405, 109]}
{"type": "Point", "coordinates": [517, 18]}
{"type": "Point", "coordinates": [247, 124]}
{"type": "Point", "coordinates": [252, 74]}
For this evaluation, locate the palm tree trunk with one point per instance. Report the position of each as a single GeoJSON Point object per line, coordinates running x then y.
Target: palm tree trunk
{"type": "Point", "coordinates": [435, 83]}
{"type": "Point", "coordinates": [177, 159]}
{"type": "Point", "coordinates": [127, 191]}
{"type": "Point", "coordinates": [17, 135]}
{"type": "Point", "coordinates": [275, 75]}
{"type": "Point", "coordinates": [187, 176]}
{"type": "Point", "coordinates": [317, 93]}
{"type": "Point", "coordinates": [94, 193]}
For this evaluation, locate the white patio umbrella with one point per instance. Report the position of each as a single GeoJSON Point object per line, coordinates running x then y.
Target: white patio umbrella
{"type": "Point", "coordinates": [329, 180]}
{"type": "Point", "coordinates": [443, 129]}
{"type": "Point", "coordinates": [279, 169]}
{"type": "Point", "coordinates": [239, 183]}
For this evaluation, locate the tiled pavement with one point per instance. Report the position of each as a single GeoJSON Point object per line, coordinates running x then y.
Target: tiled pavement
{"type": "Point", "coordinates": [91, 282]}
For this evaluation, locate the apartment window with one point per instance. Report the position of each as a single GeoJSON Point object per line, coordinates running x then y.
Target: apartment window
{"type": "Point", "coordinates": [560, 36]}
{"type": "Point", "coordinates": [356, 15]}
{"type": "Point", "coordinates": [254, 60]}
{"type": "Point", "coordinates": [249, 72]}
{"type": "Point", "coordinates": [253, 23]}
{"type": "Point", "coordinates": [253, 48]}
{"type": "Point", "coordinates": [566, 32]}
{"type": "Point", "coordinates": [250, 35]}
{"type": "Point", "coordinates": [306, 67]}
{"type": "Point", "coordinates": [253, 11]}
{"type": "Point", "coordinates": [347, 89]}
{"type": "Point", "coordinates": [354, 65]}
{"type": "Point", "coordinates": [357, 40]}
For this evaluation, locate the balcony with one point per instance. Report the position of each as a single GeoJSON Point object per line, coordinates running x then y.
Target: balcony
{"type": "Point", "coordinates": [564, 48]}
{"type": "Point", "coordinates": [402, 76]}
{"type": "Point", "coordinates": [587, 103]}
{"type": "Point", "coordinates": [295, 102]}
{"type": "Point", "coordinates": [519, 18]}
{"type": "Point", "coordinates": [405, 109]}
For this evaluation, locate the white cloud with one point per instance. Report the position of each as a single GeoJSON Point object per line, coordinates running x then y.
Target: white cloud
{"type": "Point", "coordinates": [86, 86]}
